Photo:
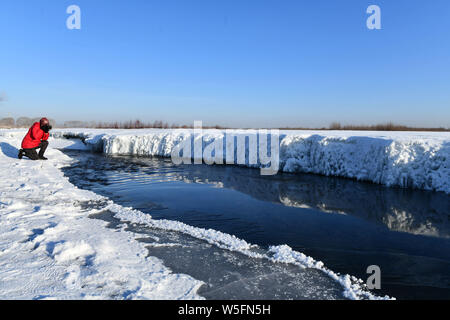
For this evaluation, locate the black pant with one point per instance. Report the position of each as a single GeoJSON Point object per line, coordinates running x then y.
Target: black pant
{"type": "Point", "coordinates": [32, 153]}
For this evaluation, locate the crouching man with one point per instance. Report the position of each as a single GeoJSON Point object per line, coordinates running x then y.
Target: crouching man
{"type": "Point", "coordinates": [36, 138]}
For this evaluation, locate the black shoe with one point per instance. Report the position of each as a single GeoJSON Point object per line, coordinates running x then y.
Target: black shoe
{"type": "Point", "coordinates": [43, 158]}
{"type": "Point", "coordinates": [20, 154]}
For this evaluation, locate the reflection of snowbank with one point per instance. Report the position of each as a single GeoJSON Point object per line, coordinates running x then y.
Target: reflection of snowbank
{"type": "Point", "coordinates": [411, 211]}
{"type": "Point", "coordinates": [406, 159]}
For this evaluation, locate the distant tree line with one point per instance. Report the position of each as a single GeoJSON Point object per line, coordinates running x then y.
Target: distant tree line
{"type": "Point", "coordinates": [389, 126]}
{"type": "Point", "coordinates": [25, 122]}
{"type": "Point", "coordinates": [137, 124]}
{"type": "Point", "coordinates": [22, 122]}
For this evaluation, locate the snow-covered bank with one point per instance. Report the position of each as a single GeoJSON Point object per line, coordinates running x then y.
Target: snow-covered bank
{"type": "Point", "coordinates": [418, 160]}
{"type": "Point", "coordinates": [49, 248]}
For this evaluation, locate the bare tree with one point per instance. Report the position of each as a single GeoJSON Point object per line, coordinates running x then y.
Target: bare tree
{"type": "Point", "coordinates": [7, 123]}
{"type": "Point", "coordinates": [335, 126]}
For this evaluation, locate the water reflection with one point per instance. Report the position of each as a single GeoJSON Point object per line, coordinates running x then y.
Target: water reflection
{"type": "Point", "coordinates": [413, 211]}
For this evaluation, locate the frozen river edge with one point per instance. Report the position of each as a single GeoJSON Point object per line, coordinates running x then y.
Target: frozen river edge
{"type": "Point", "coordinates": [419, 160]}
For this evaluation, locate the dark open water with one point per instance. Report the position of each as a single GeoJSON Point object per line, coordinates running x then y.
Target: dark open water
{"type": "Point", "coordinates": [348, 225]}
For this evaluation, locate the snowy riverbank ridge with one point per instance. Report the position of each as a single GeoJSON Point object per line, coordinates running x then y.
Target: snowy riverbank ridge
{"type": "Point", "coordinates": [51, 249]}
{"type": "Point", "coordinates": [418, 160]}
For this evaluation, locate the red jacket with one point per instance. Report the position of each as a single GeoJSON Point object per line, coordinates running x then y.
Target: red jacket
{"type": "Point", "coordinates": [34, 137]}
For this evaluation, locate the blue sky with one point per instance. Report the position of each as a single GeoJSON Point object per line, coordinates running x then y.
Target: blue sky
{"type": "Point", "coordinates": [247, 63]}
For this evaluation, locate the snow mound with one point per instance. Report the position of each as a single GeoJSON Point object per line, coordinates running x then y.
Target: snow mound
{"type": "Point", "coordinates": [404, 159]}
{"type": "Point", "coordinates": [70, 252]}
{"type": "Point", "coordinates": [413, 163]}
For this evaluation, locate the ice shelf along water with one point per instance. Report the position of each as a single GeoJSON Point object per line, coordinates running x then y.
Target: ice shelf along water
{"type": "Point", "coordinates": [419, 160]}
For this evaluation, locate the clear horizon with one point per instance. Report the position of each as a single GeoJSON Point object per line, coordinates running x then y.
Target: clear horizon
{"type": "Point", "coordinates": [229, 63]}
